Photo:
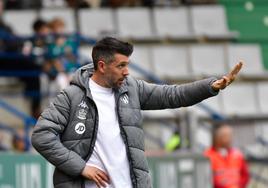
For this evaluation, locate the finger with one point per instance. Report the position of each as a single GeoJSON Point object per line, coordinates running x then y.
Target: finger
{"type": "Point", "coordinates": [101, 181]}
{"type": "Point", "coordinates": [97, 182]}
{"type": "Point", "coordinates": [221, 82]}
{"type": "Point", "coordinates": [236, 69]}
{"type": "Point", "coordinates": [104, 176]}
{"type": "Point", "coordinates": [227, 80]}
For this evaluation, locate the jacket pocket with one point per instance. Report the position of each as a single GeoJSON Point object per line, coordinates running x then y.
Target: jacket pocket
{"type": "Point", "coordinates": [61, 180]}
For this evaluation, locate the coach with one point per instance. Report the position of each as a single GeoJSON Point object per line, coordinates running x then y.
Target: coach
{"type": "Point", "coordinates": [92, 131]}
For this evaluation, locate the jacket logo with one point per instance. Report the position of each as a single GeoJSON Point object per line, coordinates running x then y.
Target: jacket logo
{"type": "Point", "coordinates": [125, 99]}
{"type": "Point", "coordinates": [82, 114]}
{"type": "Point", "coordinates": [80, 128]}
{"type": "Point", "coordinates": [83, 104]}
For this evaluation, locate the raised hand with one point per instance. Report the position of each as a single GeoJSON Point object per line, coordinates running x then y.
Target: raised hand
{"type": "Point", "coordinates": [227, 79]}
{"type": "Point", "coordinates": [98, 176]}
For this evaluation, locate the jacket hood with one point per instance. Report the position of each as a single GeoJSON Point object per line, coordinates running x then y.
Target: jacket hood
{"type": "Point", "coordinates": [81, 76]}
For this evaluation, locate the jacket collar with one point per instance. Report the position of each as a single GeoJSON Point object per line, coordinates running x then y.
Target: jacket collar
{"type": "Point", "coordinates": [118, 91]}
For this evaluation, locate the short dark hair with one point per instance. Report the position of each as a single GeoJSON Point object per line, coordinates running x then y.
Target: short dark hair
{"type": "Point", "coordinates": [106, 48]}
{"type": "Point", "coordinates": [38, 24]}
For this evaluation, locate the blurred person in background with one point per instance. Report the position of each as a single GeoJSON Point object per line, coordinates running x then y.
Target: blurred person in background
{"type": "Point", "coordinates": [92, 130]}
{"type": "Point", "coordinates": [37, 49]}
{"type": "Point", "coordinates": [230, 170]}
{"type": "Point", "coordinates": [18, 141]}
{"type": "Point", "coordinates": [118, 3]}
{"type": "Point", "coordinates": [62, 54]}
{"type": "Point", "coordinates": [54, 66]}
{"type": "Point", "coordinates": [2, 146]}
{"type": "Point", "coordinates": [81, 3]}
{"type": "Point", "coordinates": [12, 59]}
{"type": "Point", "coordinates": [8, 42]}
{"type": "Point", "coordinates": [174, 142]}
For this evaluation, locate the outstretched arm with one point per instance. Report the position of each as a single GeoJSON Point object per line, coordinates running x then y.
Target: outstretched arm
{"type": "Point", "coordinates": [153, 96]}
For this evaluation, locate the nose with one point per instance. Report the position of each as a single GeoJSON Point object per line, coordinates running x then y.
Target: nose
{"type": "Point", "coordinates": [125, 72]}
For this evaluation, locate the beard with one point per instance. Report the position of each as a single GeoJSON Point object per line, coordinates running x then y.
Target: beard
{"type": "Point", "coordinates": [114, 83]}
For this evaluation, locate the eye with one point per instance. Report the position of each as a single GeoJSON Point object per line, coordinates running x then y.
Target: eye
{"type": "Point", "coordinates": [121, 66]}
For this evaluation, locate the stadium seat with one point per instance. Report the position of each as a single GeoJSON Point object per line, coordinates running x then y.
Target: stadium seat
{"type": "Point", "coordinates": [207, 60]}
{"type": "Point", "coordinates": [142, 58]}
{"type": "Point", "coordinates": [228, 2]}
{"type": "Point", "coordinates": [251, 23]}
{"type": "Point", "coordinates": [20, 21]}
{"type": "Point", "coordinates": [250, 54]}
{"type": "Point", "coordinates": [262, 90]}
{"type": "Point", "coordinates": [66, 14]}
{"type": "Point", "coordinates": [210, 21]}
{"type": "Point", "coordinates": [103, 26]}
{"type": "Point", "coordinates": [265, 55]}
{"type": "Point", "coordinates": [172, 23]}
{"type": "Point", "coordinates": [170, 62]}
{"type": "Point", "coordinates": [134, 23]}
{"type": "Point", "coordinates": [240, 99]}
{"type": "Point", "coordinates": [85, 53]}
{"type": "Point", "coordinates": [213, 103]}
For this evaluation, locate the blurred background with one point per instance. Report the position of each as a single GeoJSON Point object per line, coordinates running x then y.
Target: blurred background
{"type": "Point", "coordinates": [43, 42]}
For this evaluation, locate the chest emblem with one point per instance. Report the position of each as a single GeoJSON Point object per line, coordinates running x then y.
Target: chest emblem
{"type": "Point", "coordinates": [125, 99]}
{"type": "Point", "coordinates": [80, 128]}
{"type": "Point", "coordinates": [83, 104]}
{"type": "Point", "coordinates": [82, 114]}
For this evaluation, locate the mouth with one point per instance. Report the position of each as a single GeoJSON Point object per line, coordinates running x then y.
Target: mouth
{"type": "Point", "coordinates": [120, 81]}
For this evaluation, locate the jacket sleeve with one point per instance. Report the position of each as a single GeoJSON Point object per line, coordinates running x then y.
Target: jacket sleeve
{"type": "Point", "coordinates": [153, 97]}
{"type": "Point", "coordinates": [46, 137]}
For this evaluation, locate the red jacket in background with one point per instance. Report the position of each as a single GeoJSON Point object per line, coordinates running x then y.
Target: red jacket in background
{"type": "Point", "coordinates": [230, 170]}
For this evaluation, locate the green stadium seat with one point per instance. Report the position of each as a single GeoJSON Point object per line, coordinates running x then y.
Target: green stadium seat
{"type": "Point", "coordinates": [232, 2]}
{"type": "Point", "coordinates": [265, 55]}
{"type": "Point", "coordinates": [252, 24]}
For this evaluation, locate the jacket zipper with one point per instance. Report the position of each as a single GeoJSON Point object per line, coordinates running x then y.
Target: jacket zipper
{"type": "Point", "coordinates": [94, 138]}
{"type": "Point", "coordinates": [123, 134]}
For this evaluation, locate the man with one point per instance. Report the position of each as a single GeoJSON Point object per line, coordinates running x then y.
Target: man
{"type": "Point", "coordinates": [92, 131]}
{"type": "Point", "coordinates": [229, 167]}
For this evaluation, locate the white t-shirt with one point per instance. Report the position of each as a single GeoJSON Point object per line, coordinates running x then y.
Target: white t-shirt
{"type": "Point", "coordinates": [109, 153]}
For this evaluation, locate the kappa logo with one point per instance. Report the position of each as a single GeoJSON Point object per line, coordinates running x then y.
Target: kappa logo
{"type": "Point", "coordinates": [125, 99]}
{"type": "Point", "coordinates": [83, 104]}
{"type": "Point", "coordinates": [82, 114]}
{"type": "Point", "coordinates": [80, 128]}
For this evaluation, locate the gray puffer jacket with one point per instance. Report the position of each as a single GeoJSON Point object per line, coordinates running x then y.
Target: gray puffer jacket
{"type": "Point", "coordinates": [65, 133]}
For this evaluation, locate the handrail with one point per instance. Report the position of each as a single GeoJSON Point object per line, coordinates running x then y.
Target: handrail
{"type": "Point", "coordinates": [28, 120]}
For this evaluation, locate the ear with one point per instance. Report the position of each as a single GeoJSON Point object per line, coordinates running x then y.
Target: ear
{"type": "Point", "coordinates": [101, 66]}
